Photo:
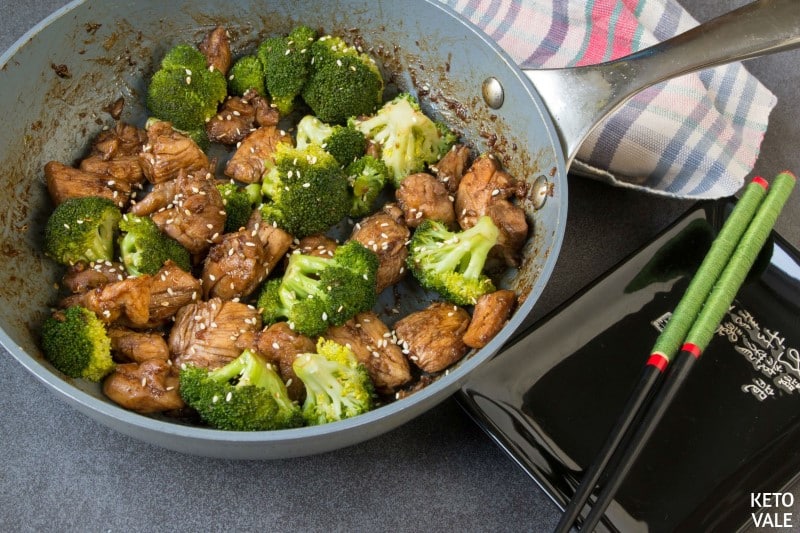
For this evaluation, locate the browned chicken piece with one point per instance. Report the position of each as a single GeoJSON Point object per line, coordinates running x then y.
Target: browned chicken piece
{"type": "Point", "coordinates": [65, 182]}
{"type": "Point", "coordinates": [235, 267]}
{"type": "Point", "coordinates": [489, 316]}
{"type": "Point", "coordinates": [125, 169]}
{"type": "Point", "coordinates": [266, 114]}
{"type": "Point", "coordinates": [386, 234]}
{"type": "Point", "coordinates": [129, 346]}
{"type": "Point", "coordinates": [82, 276]}
{"type": "Point", "coordinates": [280, 345]}
{"type": "Point", "coordinates": [124, 140]}
{"type": "Point", "coordinates": [127, 301]}
{"type": "Point", "coordinates": [374, 346]}
{"type": "Point", "coordinates": [421, 196]}
{"type": "Point", "coordinates": [248, 162]}
{"type": "Point", "coordinates": [450, 168]}
{"type": "Point", "coordinates": [167, 152]}
{"type": "Point", "coordinates": [213, 333]}
{"type": "Point", "coordinates": [235, 120]}
{"type": "Point", "coordinates": [487, 189]}
{"type": "Point", "coordinates": [171, 289]}
{"type": "Point", "coordinates": [317, 245]}
{"type": "Point", "coordinates": [275, 240]}
{"type": "Point", "coordinates": [434, 337]}
{"type": "Point", "coordinates": [147, 387]}
{"type": "Point", "coordinates": [217, 49]}
{"type": "Point", "coordinates": [189, 209]}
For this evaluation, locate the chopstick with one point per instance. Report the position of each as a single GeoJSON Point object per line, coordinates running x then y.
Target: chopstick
{"type": "Point", "coordinates": [700, 334]}
{"type": "Point", "coordinates": [668, 342]}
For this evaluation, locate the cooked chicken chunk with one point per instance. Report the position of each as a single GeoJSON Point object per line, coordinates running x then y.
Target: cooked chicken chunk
{"type": "Point", "coordinates": [127, 301]}
{"type": "Point", "coordinates": [189, 209]}
{"type": "Point", "coordinates": [450, 168]}
{"type": "Point", "coordinates": [386, 234]}
{"type": "Point", "coordinates": [167, 152]}
{"type": "Point", "coordinates": [486, 189]}
{"type": "Point", "coordinates": [129, 346]}
{"type": "Point", "coordinates": [124, 140]}
{"type": "Point", "coordinates": [374, 346]}
{"type": "Point", "coordinates": [213, 333]}
{"type": "Point", "coordinates": [422, 197]}
{"type": "Point", "coordinates": [82, 277]}
{"type": "Point", "coordinates": [217, 49]}
{"type": "Point", "coordinates": [124, 169]}
{"type": "Point", "coordinates": [266, 114]}
{"type": "Point", "coordinates": [434, 337]}
{"type": "Point", "coordinates": [171, 289]}
{"type": "Point", "coordinates": [248, 162]}
{"type": "Point", "coordinates": [317, 245]}
{"type": "Point", "coordinates": [65, 182]}
{"type": "Point", "coordinates": [235, 267]}
{"type": "Point", "coordinates": [147, 387]}
{"type": "Point", "coordinates": [489, 316]}
{"type": "Point", "coordinates": [280, 345]}
{"type": "Point", "coordinates": [235, 120]}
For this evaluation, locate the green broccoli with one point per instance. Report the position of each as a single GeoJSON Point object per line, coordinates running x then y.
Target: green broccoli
{"type": "Point", "coordinates": [344, 143]}
{"type": "Point", "coordinates": [286, 61]}
{"type": "Point", "coordinates": [247, 394]}
{"type": "Point", "coordinates": [246, 73]}
{"type": "Point", "coordinates": [408, 138]}
{"type": "Point", "coordinates": [184, 91]}
{"type": "Point", "coordinates": [239, 203]}
{"type": "Point", "coordinates": [306, 189]}
{"type": "Point", "coordinates": [366, 176]}
{"type": "Point", "coordinates": [343, 82]}
{"type": "Point", "coordinates": [144, 248]}
{"type": "Point", "coordinates": [76, 343]}
{"type": "Point", "coordinates": [316, 291]}
{"type": "Point", "coordinates": [451, 263]}
{"type": "Point", "coordinates": [82, 229]}
{"type": "Point", "coordinates": [337, 385]}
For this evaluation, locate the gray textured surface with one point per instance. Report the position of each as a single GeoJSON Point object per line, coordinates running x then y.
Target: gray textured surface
{"type": "Point", "coordinates": [63, 472]}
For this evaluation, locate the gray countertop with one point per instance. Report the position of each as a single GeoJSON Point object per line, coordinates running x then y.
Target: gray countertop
{"type": "Point", "coordinates": [64, 472]}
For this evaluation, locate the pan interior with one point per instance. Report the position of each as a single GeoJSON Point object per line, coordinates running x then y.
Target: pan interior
{"type": "Point", "coordinates": [58, 78]}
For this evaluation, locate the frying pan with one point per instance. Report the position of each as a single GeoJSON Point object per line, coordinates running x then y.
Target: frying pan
{"type": "Point", "coordinates": [59, 76]}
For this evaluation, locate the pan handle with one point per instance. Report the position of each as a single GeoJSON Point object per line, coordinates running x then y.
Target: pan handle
{"type": "Point", "coordinates": [579, 98]}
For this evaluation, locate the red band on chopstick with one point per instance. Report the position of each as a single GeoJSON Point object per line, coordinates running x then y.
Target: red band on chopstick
{"type": "Point", "coordinates": [692, 349]}
{"type": "Point", "coordinates": [659, 361]}
{"type": "Point", "coordinates": [761, 181]}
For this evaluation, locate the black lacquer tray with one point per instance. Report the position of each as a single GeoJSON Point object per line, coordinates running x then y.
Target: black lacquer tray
{"type": "Point", "coordinates": [551, 398]}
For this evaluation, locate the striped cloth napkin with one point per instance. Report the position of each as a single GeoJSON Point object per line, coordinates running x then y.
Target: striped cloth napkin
{"type": "Point", "coordinates": [697, 136]}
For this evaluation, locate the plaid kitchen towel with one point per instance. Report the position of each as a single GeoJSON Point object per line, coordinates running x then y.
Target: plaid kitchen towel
{"type": "Point", "coordinates": [697, 136]}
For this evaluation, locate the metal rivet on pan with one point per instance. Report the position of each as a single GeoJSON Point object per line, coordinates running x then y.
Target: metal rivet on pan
{"type": "Point", "coordinates": [539, 192]}
{"type": "Point", "coordinates": [493, 93]}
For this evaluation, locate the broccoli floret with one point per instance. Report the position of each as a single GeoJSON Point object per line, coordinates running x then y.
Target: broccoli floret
{"type": "Point", "coordinates": [306, 189]}
{"type": "Point", "coordinates": [245, 74]}
{"type": "Point", "coordinates": [316, 292]}
{"type": "Point", "coordinates": [239, 203]}
{"type": "Point", "coordinates": [144, 248]}
{"type": "Point", "coordinates": [408, 138]}
{"type": "Point", "coordinates": [286, 61]}
{"type": "Point", "coordinates": [343, 82]}
{"type": "Point", "coordinates": [366, 176]}
{"type": "Point", "coordinates": [184, 91]}
{"type": "Point", "coordinates": [82, 229]}
{"type": "Point", "coordinates": [247, 394]}
{"type": "Point", "coordinates": [451, 263]}
{"type": "Point", "coordinates": [344, 143]}
{"type": "Point", "coordinates": [337, 385]}
{"type": "Point", "coordinates": [76, 343]}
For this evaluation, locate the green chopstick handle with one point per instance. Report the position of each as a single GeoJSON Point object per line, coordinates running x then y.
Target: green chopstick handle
{"type": "Point", "coordinates": [684, 315]}
{"type": "Point", "coordinates": [741, 262]}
